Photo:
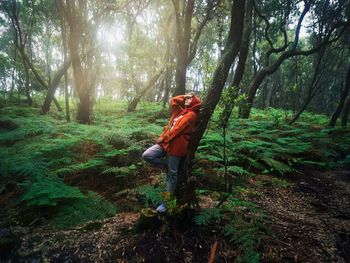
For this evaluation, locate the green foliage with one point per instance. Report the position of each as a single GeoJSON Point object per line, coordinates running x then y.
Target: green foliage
{"type": "Point", "coordinates": [207, 216]}
{"type": "Point", "coordinates": [93, 164]}
{"type": "Point", "coordinates": [118, 140]}
{"type": "Point", "coordinates": [41, 149]}
{"type": "Point", "coordinates": [150, 195]}
{"type": "Point", "coordinates": [233, 169]}
{"type": "Point", "coordinates": [48, 191]}
{"type": "Point", "coordinates": [276, 166]}
{"type": "Point", "coordinates": [245, 228]}
{"type": "Point", "coordinates": [121, 171]}
{"type": "Point", "coordinates": [279, 182]}
{"type": "Point", "coordinates": [78, 211]}
{"type": "Point", "coordinates": [242, 222]}
{"type": "Point", "coordinates": [267, 145]}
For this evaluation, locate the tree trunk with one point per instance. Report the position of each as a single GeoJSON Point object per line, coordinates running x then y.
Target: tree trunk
{"type": "Point", "coordinates": [26, 85]}
{"type": "Point", "coordinates": [343, 95]}
{"type": "Point", "coordinates": [302, 109]}
{"type": "Point", "coordinates": [168, 71]}
{"type": "Point", "coordinates": [243, 54]}
{"type": "Point", "coordinates": [167, 87]}
{"type": "Point", "coordinates": [20, 45]}
{"type": "Point", "coordinates": [84, 107]}
{"type": "Point", "coordinates": [244, 48]}
{"type": "Point", "coordinates": [133, 104]}
{"type": "Point", "coordinates": [53, 86]}
{"type": "Point", "coordinates": [345, 113]}
{"type": "Point", "coordinates": [312, 87]}
{"type": "Point", "coordinates": [65, 52]}
{"type": "Point", "coordinates": [183, 37]}
{"type": "Point", "coordinates": [218, 81]}
{"type": "Point", "coordinates": [271, 68]}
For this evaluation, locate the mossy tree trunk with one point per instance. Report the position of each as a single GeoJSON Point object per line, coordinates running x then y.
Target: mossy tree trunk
{"type": "Point", "coordinates": [344, 94]}
{"type": "Point", "coordinates": [218, 81]}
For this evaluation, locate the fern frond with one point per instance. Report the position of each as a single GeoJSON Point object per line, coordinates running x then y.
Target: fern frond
{"type": "Point", "coordinates": [278, 166]}
{"type": "Point", "coordinates": [150, 195]}
{"type": "Point", "coordinates": [79, 167]}
{"type": "Point", "coordinates": [120, 171]}
{"type": "Point", "coordinates": [207, 216]}
{"type": "Point", "coordinates": [79, 211]}
{"type": "Point", "coordinates": [48, 191]}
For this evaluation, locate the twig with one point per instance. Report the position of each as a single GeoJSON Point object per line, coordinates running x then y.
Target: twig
{"type": "Point", "coordinates": [213, 251]}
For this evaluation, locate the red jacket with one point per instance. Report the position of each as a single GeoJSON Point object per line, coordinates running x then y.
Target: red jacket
{"type": "Point", "coordinates": [176, 139]}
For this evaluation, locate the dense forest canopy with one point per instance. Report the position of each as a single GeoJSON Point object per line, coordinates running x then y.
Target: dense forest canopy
{"type": "Point", "coordinates": [292, 54]}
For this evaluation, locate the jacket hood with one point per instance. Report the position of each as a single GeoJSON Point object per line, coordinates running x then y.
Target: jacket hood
{"type": "Point", "coordinates": [195, 105]}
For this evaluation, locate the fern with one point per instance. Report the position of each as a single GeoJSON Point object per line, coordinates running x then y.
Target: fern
{"type": "Point", "coordinates": [48, 191]}
{"type": "Point", "coordinates": [10, 137]}
{"type": "Point", "coordinates": [27, 166]}
{"type": "Point", "coordinates": [79, 211]}
{"type": "Point", "coordinates": [4, 161]}
{"type": "Point", "coordinates": [150, 195]}
{"type": "Point", "coordinates": [120, 171]}
{"type": "Point", "coordinates": [80, 167]}
{"type": "Point", "coordinates": [237, 170]}
{"type": "Point", "coordinates": [313, 163]}
{"type": "Point", "coordinates": [207, 216]}
{"type": "Point", "coordinates": [118, 140]}
{"type": "Point", "coordinates": [346, 161]}
{"type": "Point", "coordinates": [245, 230]}
{"type": "Point", "coordinates": [275, 165]}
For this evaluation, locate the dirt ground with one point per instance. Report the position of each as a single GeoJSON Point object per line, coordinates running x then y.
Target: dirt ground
{"type": "Point", "coordinates": [311, 219]}
{"type": "Point", "coordinates": [310, 222]}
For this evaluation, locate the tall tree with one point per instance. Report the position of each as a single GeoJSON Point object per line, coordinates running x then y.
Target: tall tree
{"type": "Point", "coordinates": [21, 42]}
{"type": "Point", "coordinates": [343, 96]}
{"type": "Point", "coordinates": [83, 53]}
{"type": "Point", "coordinates": [187, 17]}
{"type": "Point", "coordinates": [229, 54]}
{"type": "Point", "coordinates": [288, 49]}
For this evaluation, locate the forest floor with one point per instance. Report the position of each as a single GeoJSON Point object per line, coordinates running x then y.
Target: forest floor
{"type": "Point", "coordinates": [75, 193]}
{"type": "Point", "coordinates": [309, 219]}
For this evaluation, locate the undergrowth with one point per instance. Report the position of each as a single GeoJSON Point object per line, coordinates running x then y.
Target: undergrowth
{"type": "Point", "coordinates": [42, 153]}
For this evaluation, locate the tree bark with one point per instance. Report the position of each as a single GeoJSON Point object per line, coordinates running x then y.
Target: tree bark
{"type": "Point", "coordinates": [218, 81]}
{"type": "Point", "coordinates": [284, 54]}
{"type": "Point", "coordinates": [65, 54]}
{"type": "Point", "coordinates": [84, 107]}
{"type": "Point", "coordinates": [345, 113]}
{"type": "Point", "coordinates": [20, 45]}
{"type": "Point", "coordinates": [243, 54]}
{"type": "Point", "coordinates": [183, 37]}
{"type": "Point", "coordinates": [185, 40]}
{"type": "Point", "coordinates": [133, 104]}
{"type": "Point", "coordinates": [312, 87]}
{"type": "Point", "coordinates": [344, 94]}
{"type": "Point", "coordinates": [53, 86]}
{"type": "Point", "coordinates": [26, 85]}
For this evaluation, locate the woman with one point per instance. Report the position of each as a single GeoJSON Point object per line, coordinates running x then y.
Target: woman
{"type": "Point", "coordinates": [172, 144]}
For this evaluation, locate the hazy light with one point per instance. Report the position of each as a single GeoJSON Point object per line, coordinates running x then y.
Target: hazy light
{"type": "Point", "coordinates": [111, 36]}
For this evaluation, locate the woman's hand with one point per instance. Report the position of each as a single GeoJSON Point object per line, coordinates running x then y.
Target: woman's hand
{"type": "Point", "coordinates": [159, 140]}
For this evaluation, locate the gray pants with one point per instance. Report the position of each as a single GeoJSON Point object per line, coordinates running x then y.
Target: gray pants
{"type": "Point", "coordinates": [158, 157]}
